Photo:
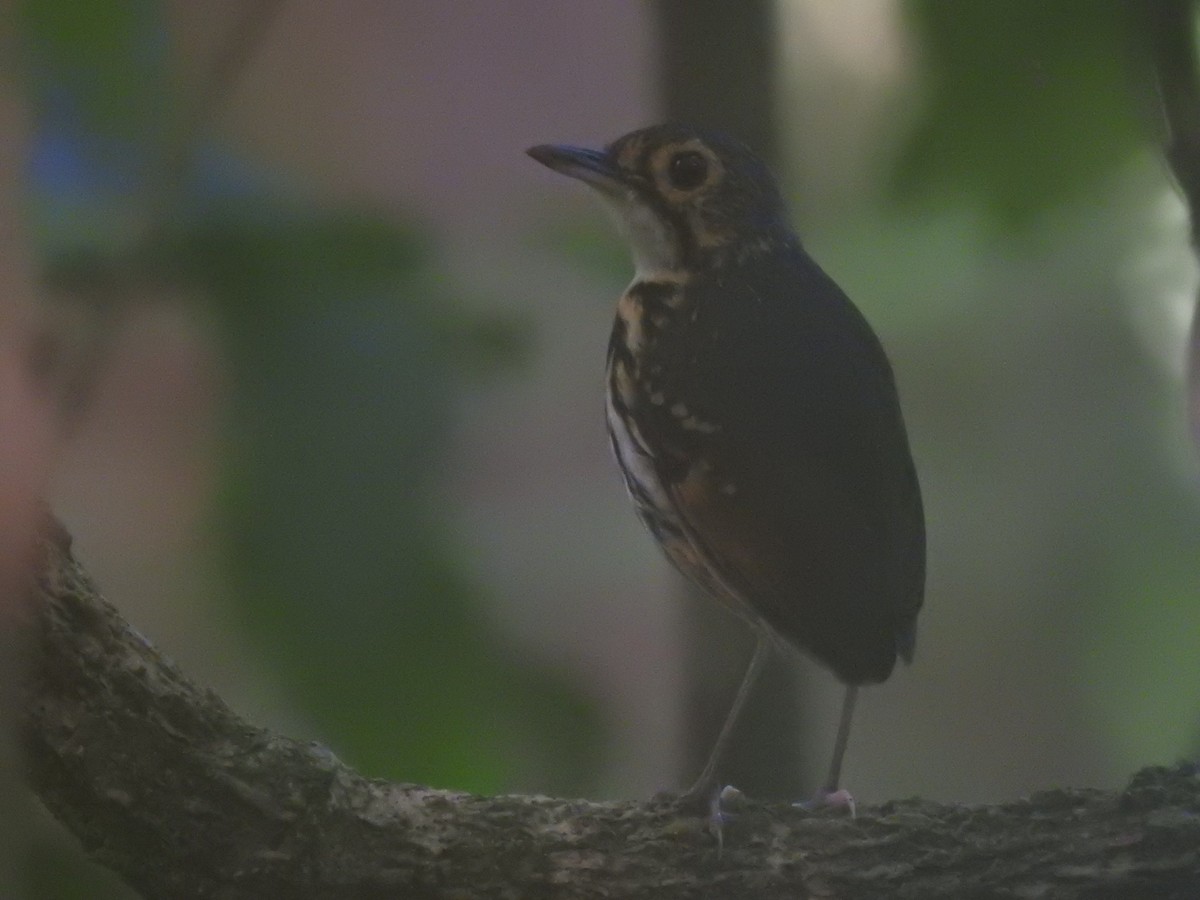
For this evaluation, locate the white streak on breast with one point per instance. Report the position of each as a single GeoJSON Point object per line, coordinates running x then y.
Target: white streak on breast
{"type": "Point", "coordinates": [635, 460]}
{"type": "Point", "coordinates": [630, 311]}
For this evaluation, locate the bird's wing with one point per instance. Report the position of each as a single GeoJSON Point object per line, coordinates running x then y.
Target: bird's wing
{"type": "Point", "coordinates": [803, 491]}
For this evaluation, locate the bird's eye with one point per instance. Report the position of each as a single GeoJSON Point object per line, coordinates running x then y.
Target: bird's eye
{"type": "Point", "coordinates": [687, 170]}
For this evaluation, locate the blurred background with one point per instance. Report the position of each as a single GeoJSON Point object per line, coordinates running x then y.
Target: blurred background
{"type": "Point", "coordinates": [328, 350]}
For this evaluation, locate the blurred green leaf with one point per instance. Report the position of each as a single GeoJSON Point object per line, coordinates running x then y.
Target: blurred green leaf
{"type": "Point", "coordinates": [107, 57]}
{"type": "Point", "coordinates": [1029, 102]}
{"type": "Point", "coordinates": [1141, 664]}
{"type": "Point", "coordinates": [592, 244]}
{"type": "Point", "coordinates": [265, 262]}
{"type": "Point", "coordinates": [338, 329]}
{"type": "Point", "coordinates": [483, 344]}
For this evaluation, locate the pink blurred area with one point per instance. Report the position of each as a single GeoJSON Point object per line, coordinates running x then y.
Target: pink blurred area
{"type": "Point", "coordinates": [426, 107]}
{"type": "Point", "coordinates": [28, 429]}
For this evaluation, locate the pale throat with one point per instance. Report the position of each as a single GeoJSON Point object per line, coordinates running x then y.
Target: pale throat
{"type": "Point", "coordinates": [653, 243]}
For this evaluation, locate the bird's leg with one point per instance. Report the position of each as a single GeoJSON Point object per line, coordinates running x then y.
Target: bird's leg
{"type": "Point", "coordinates": [830, 794]}
{"type": "Point", "coordinates": [843, 738]}
{"type": "Point", "coordinates": [705, 786]}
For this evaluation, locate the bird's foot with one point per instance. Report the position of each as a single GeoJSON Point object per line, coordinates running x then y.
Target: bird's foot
{"type": "Point", "coordinates": [711, 802]}
{"type": "Point", "coordinates": [717, 816]}
{"type": "Point", "coordinates": [840, 798]}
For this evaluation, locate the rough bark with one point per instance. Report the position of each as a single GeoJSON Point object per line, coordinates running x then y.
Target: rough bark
{"type": "Point", "coordinates": [161, 781]}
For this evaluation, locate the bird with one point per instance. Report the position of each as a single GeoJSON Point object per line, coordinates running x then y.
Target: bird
{"type": "Point", "coordinates": [754, 416]}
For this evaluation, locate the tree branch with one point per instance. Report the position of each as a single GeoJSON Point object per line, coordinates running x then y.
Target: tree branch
{"type": "Point", "coordinates": [162, 782]}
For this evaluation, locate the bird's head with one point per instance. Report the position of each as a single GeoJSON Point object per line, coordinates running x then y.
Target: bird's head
{"type": "Point", "coordinates": [685, 198]}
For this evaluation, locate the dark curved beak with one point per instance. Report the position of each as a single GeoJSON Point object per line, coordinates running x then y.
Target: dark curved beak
{"type": "Point", "coordinates": [593, 167]}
